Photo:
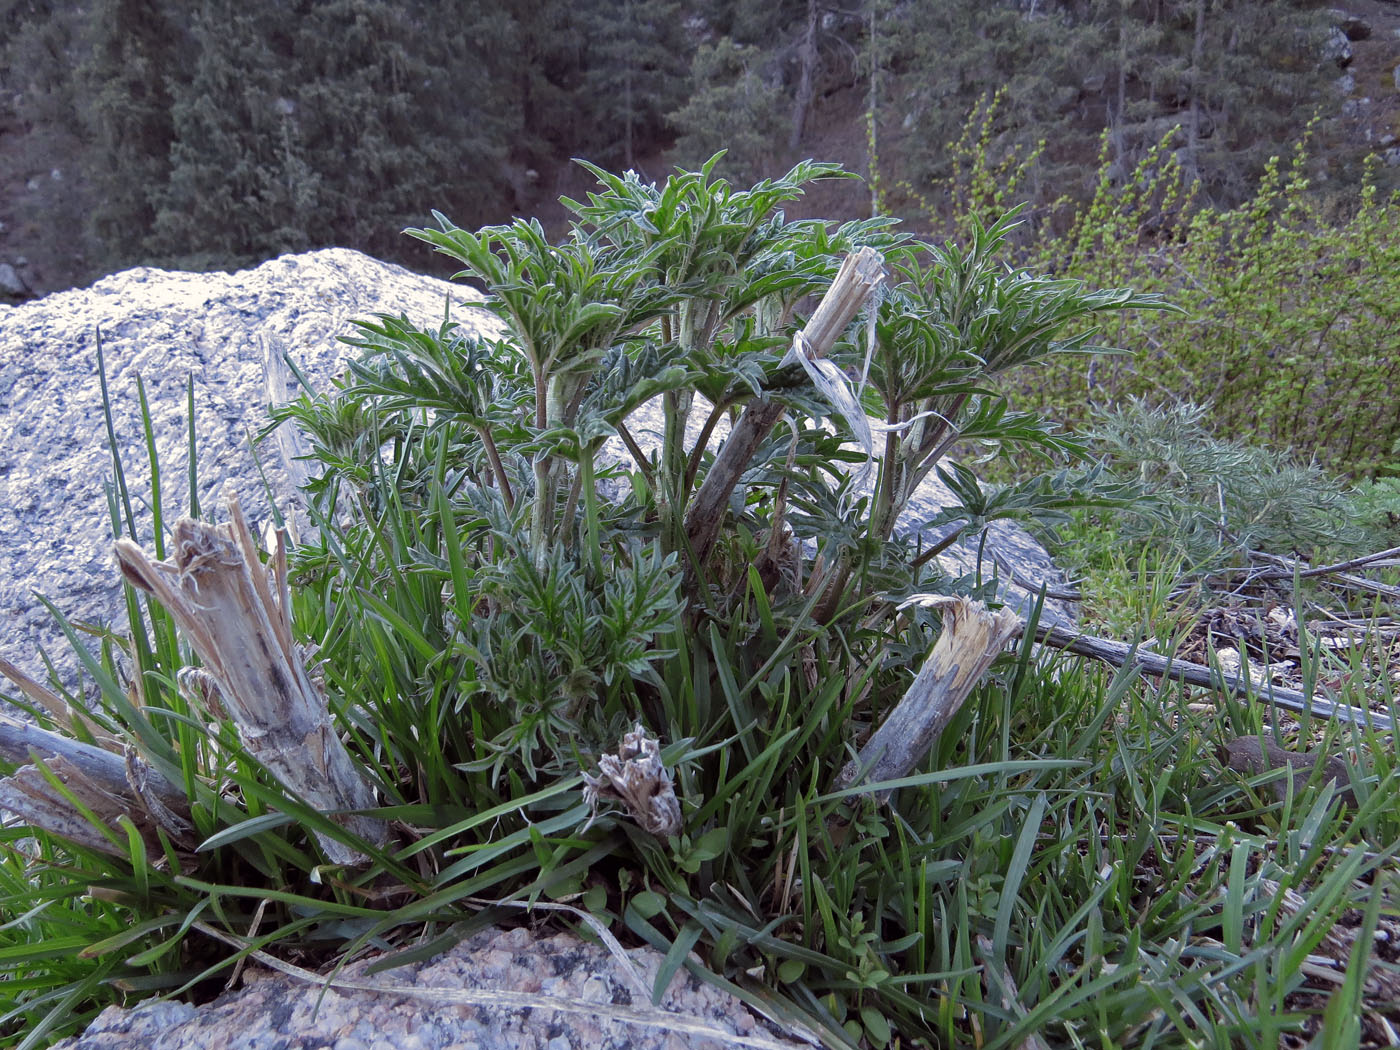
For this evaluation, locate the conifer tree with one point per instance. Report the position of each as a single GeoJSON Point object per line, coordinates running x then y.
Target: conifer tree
{"type": "Point", "coordinates": [392, 114]}
{"type": "Point", "coordinates": [733, 107]}
{"type": "Point", "coordinates": [1249, 76]}
{"type": "Point", "coordinates": [638, 67]}
{"type": "Point", "coordinates": [240, 189]}
{"type": "Point", "coordinates": [951, 54]}
{"type": "Point", "coordinates": [537, 56]}
{"type": "Point", "coordinates": [339, 123]}
{"type": "Point", "coordinates": [134, 57]}
{"type": "Point", "coordinates": [40, 42]}
{"type": "Point", "coordinates": [1235, 74]}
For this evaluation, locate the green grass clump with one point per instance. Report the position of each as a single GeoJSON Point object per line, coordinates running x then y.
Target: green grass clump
{"type": "Point", "coordinates": [490, 604]}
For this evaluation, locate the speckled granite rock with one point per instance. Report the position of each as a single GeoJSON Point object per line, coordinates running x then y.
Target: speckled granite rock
{"type": "Point", "coordinates": [228, 331]}
{"type": "Point", "coordinates": [222, 329]}
{"type": "Point", "coordinates": [273, 1011]}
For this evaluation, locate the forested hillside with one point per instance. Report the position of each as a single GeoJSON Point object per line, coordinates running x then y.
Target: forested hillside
{"type": "Point", "coordinates": [219, 133]}
{"type": "Point", "coordinates": [1140, 137]}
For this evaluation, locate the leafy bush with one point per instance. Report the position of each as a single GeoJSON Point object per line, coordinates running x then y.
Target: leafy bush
{"type": "Point", "coordinates": [1216, 500]}
{"type": "Point", "coordinates": [1205, 505]}
{"type": "Point", "coordinates": [492, 603]}
{"type": "Point", "coordinates": [1292, 333]}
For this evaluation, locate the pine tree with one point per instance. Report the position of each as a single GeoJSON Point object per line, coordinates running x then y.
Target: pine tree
{"type": "Point", "coordinates": [638, 67]}
{"type": "Point", "coordinates": [538, 58]}
{"type": "Point", "coordinates": [340, 123]}
{"type": "Point", "coordinates": [239, 188]}
{"type": "Point", "coordinates": [731, 107]}
{"type": "Point", "coordinates": [1232, 73]}
{"type": "Point", "coordinates": [41, 41]}
{"type": "Point", "coordinates": [391, 112]}
{"type": "Point", "coordinates": [952, 54]}
{"type": "Point", "coordinates": [1247, 76]}
{"type": "Point", "coordinates": [134, 55]}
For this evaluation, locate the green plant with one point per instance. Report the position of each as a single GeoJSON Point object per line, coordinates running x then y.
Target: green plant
{"type": "Point", "coordinates": [1375, 508]}
{"type": "Point", "coordinates": [1290, 334]}
{"type": "Point", "coordinates": [1212, 500]}
{"type": "Point", "coordinates": [493, 603]}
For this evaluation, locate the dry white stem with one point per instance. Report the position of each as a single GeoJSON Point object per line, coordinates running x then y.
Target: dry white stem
{"type": "Point", "coordinates": [235, 613]}
{"type": "Point", "coordinates": [860, 274]}
{"type": "Point", "coordinates": [971, 639]}
{"type": "Point", "coordinates": [41, 695]}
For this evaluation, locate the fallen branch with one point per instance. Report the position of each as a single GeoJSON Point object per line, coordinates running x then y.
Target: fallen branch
{"type": "Point", "coordinates": [21, 742]}
{"type": "Point", "coordinates": [109, 786]}
{"type": "Point", "coordinates": [860, 273]}
{"type": "Point", "coordinates": [235, 614]}
{"type": "Point", "coordinates": [1120, 654]}
{"type": "Point", "coordinates": [1287, 568]}
{"type": "Point", "coordinates": [39, 695]}
{"type": "Point", "coordinates": [1321, 570]}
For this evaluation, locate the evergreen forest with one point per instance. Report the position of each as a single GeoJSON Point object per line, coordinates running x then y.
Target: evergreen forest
{"type": "Point", "coordinates": [214, 133]}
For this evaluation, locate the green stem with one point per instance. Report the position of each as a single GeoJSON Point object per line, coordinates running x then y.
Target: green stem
{"type": "Point", "coordinates": [592, 530]}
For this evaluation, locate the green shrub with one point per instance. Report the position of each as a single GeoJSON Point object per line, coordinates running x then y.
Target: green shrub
{"type": "Point", "coordinates": [1290, 333]}
{"type": "Point", "coordinates": [1375, 508]}
{"type": "Point", "coordinates": [1292, 329]}
{"type": "Point", "coordinates": [1213, 500]}
{"type": "Point", "coordinates": [492, 606]}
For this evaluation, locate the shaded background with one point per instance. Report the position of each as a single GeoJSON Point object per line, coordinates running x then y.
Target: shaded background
{"type": "Point", "coordinates": [217, 134]}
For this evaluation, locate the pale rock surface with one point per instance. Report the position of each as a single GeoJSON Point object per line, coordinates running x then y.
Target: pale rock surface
{"type": "Point", "coordinates": [277, 1012]}
{"type": "Point", "coordinates": [221, 329]}
{"type": "Point", "coordinates": [11, 283]}
{"type": "Point", "coordinates": [227, 331]}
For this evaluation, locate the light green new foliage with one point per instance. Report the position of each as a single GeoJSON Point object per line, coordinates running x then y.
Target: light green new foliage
{"type": "Point", "coordinates": [1289, 332]}
{"type": "Point", "coordinates": [1292, 330]}
{"type": "Point", "coordinates": [493, 606]}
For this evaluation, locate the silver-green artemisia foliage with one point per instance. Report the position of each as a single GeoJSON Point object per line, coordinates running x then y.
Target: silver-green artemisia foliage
{"type": "Point", "coordinates": [487, 623]}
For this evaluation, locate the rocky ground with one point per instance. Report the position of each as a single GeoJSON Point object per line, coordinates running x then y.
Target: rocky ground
{"type": "Point", "coordinates": [498, 990]}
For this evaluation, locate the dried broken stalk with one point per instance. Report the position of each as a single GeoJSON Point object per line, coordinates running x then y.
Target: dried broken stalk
{"type": "Point", "coordinates": [971, 639]}
{"type": "Point", "coordinates": [40, 695]}
{"type": "Point", "coordinates": [637, 778]}
{"type": "Point", "coordinates": [860, 274]}
{"type": "Point", "coordinates": [235, 614]}
{"type": "Point", "coordinates": [109, 786]}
